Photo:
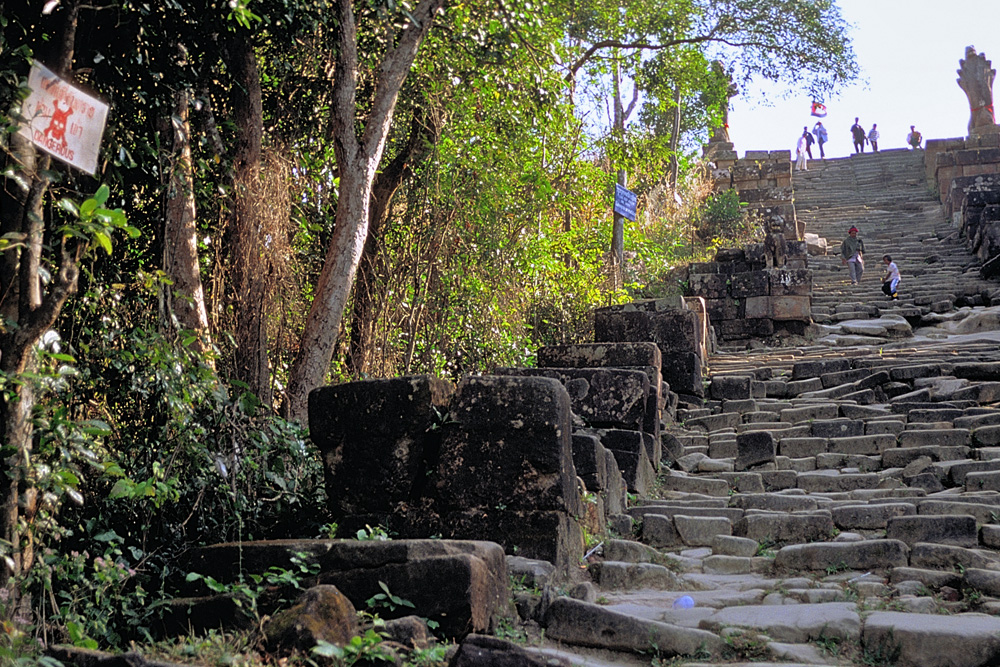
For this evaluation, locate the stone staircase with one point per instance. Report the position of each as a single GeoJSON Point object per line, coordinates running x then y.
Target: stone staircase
{"type": "Point", "coordinates": [886, 197]}
{"type": "Point", "coordinates": [822, 505]}
{"type": "Point", "coordinates": [829, 505]}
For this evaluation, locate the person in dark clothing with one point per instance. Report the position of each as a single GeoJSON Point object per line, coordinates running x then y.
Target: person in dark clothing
{"type": "Point", "coordinates": [858, 134]}
{"type": "Point", "coordinates": [809, 142]}
{"type": "Point", "coordinates": [852, 254]}
{"type": "Point", "coordinates": [821, 137]}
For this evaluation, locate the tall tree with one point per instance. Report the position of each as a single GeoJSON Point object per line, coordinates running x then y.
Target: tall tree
{"type": "Point", "coordinates": [180, 236]}
{"type": "Point", "coordinates": [665, 48]}
{"type": "Point", "coordinates": [248, 257]}
{"type": "Point", "coordinates": [358, 158]}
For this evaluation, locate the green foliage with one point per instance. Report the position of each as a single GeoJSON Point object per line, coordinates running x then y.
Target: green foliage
{"type": "Point", "coordinates": [724, 220]}
{"type": "Point", "coordinates": [746, 645]}
{"type": "Point", "coordinates": [98, 598]}
{"type": "Point", "coordinates": [884, 653]}
{"type": "Point", "coordinates": [387, 600]}
{"type": "Point", "coordinates": [360, 649]}
{"type": "Point", "coordinates": [369, 534]}
{"type": "Point", "coordinates": [141, 453]}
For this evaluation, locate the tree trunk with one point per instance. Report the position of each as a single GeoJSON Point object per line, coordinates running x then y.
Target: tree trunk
{"type": "Point", "coordinates": [424, 131]}
{"type": "Point", "coordinates": [247, 253]}
{"type": "Point", "coordinates": [180, 237]}
{"type": "Point", "coordinates": [357, 159]}
{"type": "Point", "coordinates": [675, 131]}
{"type": "Point", "coordinates": [621, 114]}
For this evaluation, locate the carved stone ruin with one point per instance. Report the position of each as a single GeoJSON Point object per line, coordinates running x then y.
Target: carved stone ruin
{"type": "Point", "coordinates": [721, 134]}
{"type": "Point", "coordinates": [975, 77]}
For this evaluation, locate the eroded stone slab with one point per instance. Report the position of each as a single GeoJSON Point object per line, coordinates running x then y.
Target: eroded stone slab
{"type": "Point", "coordinates": [792, 623]}
{"type": "Point", "coordinates": [930, 640]}
{"type": "Point", "coordinates": [866, 555]}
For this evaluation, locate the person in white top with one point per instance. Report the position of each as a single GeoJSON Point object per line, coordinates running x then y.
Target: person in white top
{"type": "Point", "coordinates": [800, 153]}
{"type": "Point", "coordinates": [890, 281]}
{"type": "Point", "coordinates": [873, 138]}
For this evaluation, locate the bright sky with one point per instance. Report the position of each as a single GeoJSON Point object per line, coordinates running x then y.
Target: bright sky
{"type": "Point", "coordinates": [909, 52]}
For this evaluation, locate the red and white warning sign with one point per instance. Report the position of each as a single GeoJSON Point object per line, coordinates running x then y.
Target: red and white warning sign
{"type": "Point", "coordinates": [63, 120]}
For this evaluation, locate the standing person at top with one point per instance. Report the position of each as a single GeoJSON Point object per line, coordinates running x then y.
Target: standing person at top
{"type": "Point", "coordinates": [809, 141]}
{"type": "Point", "coordinates": [858, 134]}
{"type": "Point", "coordinates": [800, 153]}
{"type": "Point", "coordinates": [821, 137]}
{"type": "Point", "coordinates": [852, 253]}
{"type": "Point", "coordinates": [914, 138]}
{"type": "Point", "coordinates": [873, 137]}
{"type": "Point", "coordinates": [890, 280]}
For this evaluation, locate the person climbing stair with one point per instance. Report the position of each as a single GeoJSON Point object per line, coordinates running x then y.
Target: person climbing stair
{"type": "Point", "coordinates": [890, 280]}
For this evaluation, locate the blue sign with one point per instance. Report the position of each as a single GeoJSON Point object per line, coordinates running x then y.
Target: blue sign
{"type": "Point", "coordinates": [625, 202]}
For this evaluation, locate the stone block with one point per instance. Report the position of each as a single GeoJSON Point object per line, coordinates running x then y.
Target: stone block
{"type": "Point", "coordinates": [786, 528]}
{"type": "Point", "coordinates": [719, 564]}
{"type": "Point", "coordinates": [731, 387]}
{"type": "Point", "coordinates": [590, 460]}
{"type": "Point", "coordinates": [730, 545]}
{"type": "Point", "coordinates": [754, 448]}
{"type": "Point", "coordinates": [758, 307]}
{"type": "Point", "coordinates": [776, 480]}
{"type": "Point", "coordinates": [824, 483]}
{"type": "Point", "coordinates": [983, 513]}
{"type": "Point", "coordinates": [555, 537]}
{"type": "Point", "coordinates": [949, 437]}
{"type": "Point", "coordinates": [809, 413]}
{"type": "Point", "coordinates": [724, 309]}
{"type": "Point", "coordinates": [518, 429]}
{"type": "Point", "coordinates": [790, 282]}
{"type": "Point", "coordinates": [701, 485]}
{"type": "Point", "coordinates": [600, 355]}
{"type": "Point", "coordinates": [870, 517]}
{"type": "Point", "coordinates": [837, 428]}
{"type": "Point", "coordinates": [659, 531]}
{"type": "Point", "coordinates": [629, 449]}
{"type": "Point", "coordinates": [678, 334]}
{"type": "Point", "coordinates": [613, 576]}
{"type": "Point", "coordinates": [951, 529]}
{"type": "Point", "coordinates": [580, 623]}
{"type": "Point", "coordinates": [958, 472]}
{"type": "Point", "coordinates": [932, 640]}
{"type": "Point", "coordinates": [602, 397]}
{"type": "Point", "coordinates": [743, 482]}
{"type": "Point", "coordinates": [377, 439]}
{"type": "Point", "coordinates": [752, 283]}
{"type": "Point", "coordinates": [947, 557]}
{"type": "Point", "coordinates": [774, 502]}
{"type": "Point", "coordinates": [813, 369]}
{"type": "Point", "coordinates": [867, 445]}
{"type": "Point", "coordinates": [802, 447]}
{"type": "Point", "coordinates": [463, 585]}
{"type": "Point", "coordinates": [861, 556]}
{"type": "Point", "coordinates": [745, 328]}
{"type": "Point", "coordinates": [669, 509]}
{"type": "Point", "coordinates": [982, 481]}
{"type": "Point", "coordinates": [700, 531]}
{"type": "Point", "coordinates": [488, 651]}
{"type": "Point", "coordinates": [791, 308]}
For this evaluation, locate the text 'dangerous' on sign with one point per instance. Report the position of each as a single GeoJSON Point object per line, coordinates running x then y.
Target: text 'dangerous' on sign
{"type": "Point", "coordinates": [62, 120]}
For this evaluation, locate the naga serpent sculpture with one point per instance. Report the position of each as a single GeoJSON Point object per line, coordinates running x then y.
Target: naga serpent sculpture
{"type": "Point", "coordinates": [975, 77]}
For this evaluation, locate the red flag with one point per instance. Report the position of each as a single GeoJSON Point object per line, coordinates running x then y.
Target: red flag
{"type": "Point", "coordinates": [819, 109]}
